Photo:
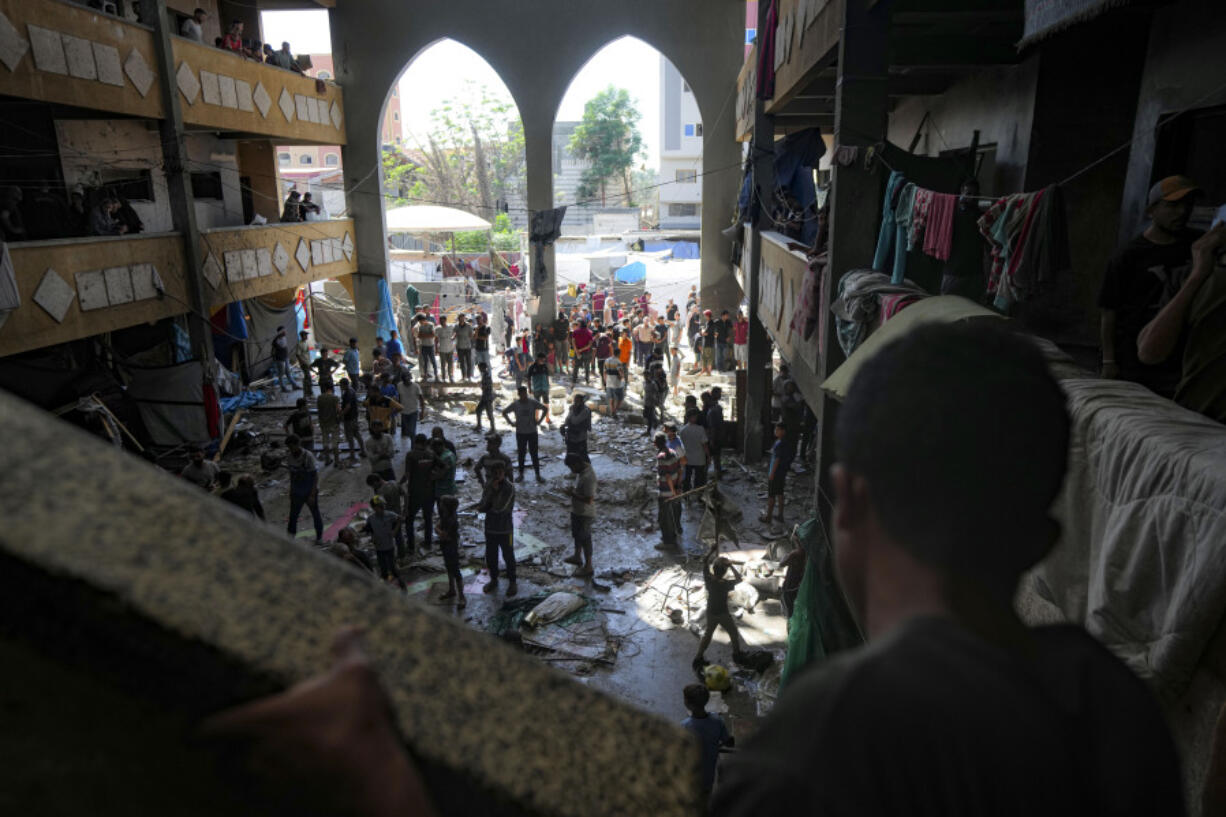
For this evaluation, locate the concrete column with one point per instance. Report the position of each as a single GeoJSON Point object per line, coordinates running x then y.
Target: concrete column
{"type": "Point", "coordinates": [721, 158]}
{"type": "Point", "coordinates": [861, 108]}
{"type": "Point", "coordinates": [758, 368]}
{"type": "Point", "coordinates": [179, 185]}
{"type": "Point", "coordinates": [538, 160]}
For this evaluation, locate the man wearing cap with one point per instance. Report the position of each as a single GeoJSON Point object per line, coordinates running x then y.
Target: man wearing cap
{"type": "Point", "coordinates": [1141, 280]}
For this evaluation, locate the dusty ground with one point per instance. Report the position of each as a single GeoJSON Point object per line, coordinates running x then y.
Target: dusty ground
{"type": "Point", "coordinates": [641, 630]}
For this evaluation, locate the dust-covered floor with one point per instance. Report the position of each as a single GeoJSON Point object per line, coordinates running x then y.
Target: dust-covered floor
{"type": "Point", "coordinates": [637, 632]}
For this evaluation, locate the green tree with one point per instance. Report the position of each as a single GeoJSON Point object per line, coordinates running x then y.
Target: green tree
{"type": "Point", "coordinates": [608, 137]}
{"type": "Point", "coordinates": [399, 177]}
{"type": "Point", "coordinates": [472, 156]}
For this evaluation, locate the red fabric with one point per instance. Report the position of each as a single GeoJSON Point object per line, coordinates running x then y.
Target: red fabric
{"type": "Point", "coordinates": [939, 236]}
{"type": "Point", "coordinates": [766, 53]}
{"type": "Point", "coordinates": [212, 411]}
{"type": "Point", "coordinates": [582, 337]}
{"type": "Point", "coordinates": [740, 332]}
{"type": "Point", "coordinates": [232, 42]}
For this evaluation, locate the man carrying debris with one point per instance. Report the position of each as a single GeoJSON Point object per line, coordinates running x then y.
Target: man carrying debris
{"type": "Point", "coordinates": [668, 509]}
{"type": "Point", "coordinates": [328, 409]}
{"type": "Point", "coordinates": [575, 427]}
{"type": "Point", "coordinates": [714, 571]}
{"type": "Point", "coordinates": [349, 420]}
{"type": "Point", "coordinates": [380, 449]}
{"type": "Point", "coordinates": [389, 492]}
{"type": "Point", "coordinates": [200, 471]}
{"type": "Point", "coordinates": [497, 502]}
{"type": "Point", "coordinates": [582, 512]}
{"type": "Point", "coordinates": [382, 526]}
{"type": "Point", "coordinates": [303, 487]}
{"type": "Point", "coordinates": [528, 415]}
{"type": "Point", "coordinates": [419, 464]}
{"type": "Point", "coordinates": [538, 382]}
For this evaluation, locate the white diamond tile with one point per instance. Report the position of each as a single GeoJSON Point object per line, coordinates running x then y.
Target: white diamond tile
{"type": "Point", "coordinates": [145, 281]}
{"type": "Point", "coordinates": [319, 111]}
{"type": "Point", "coordinates": [280, 258]}
{"type": "Point", "coordinates": [139, 72]}
{"type": "Point", "coordinates": [13, 46]}
{"type": "Point", "coordinates": [263, 262]}
{"type": "Point", "coordinates": [118, 285]}
{"type": "Point", "coordinates": [263, 102]}
{"type": "Point", "coordinates": [229, 95]}
{"type": "Point", "coordinates": [242, 89]}
{"type": "Point", "coordinates": [347, 246]}
{"type": "Point", "coordinates": [300, 107]}
{"type": "Point", "coordinates": [48, 50]}
{"type": "Point", "coordinates": [54, 295]}
{"type": "Point", "coordinates": [317, 253]}
{"type": "Point", "coordinates": [251, 267]}
{"type": "Point", "coordinates": [303, 254]}
{"type": "Point", "coordinates": [91, 290]}
{"type": "Point", "coordinates": [185, 78]}
{"type": "Point", "coordinates": [336, 116]}
{"type": "Point", "coordinates": [212, 271]}
{"type": "Point", "coordinates": [80, 56]}
{"type": "Point", "coordinates": [106, 60]}
{"type": "Point", "coordinates": [208, 88]}
{"type": "Point", "coordinates": [286, 101]}
{"type": "Point", "coordinates": [329, 251]}
{"type": "Point", "coordinates": [338, 249]}
{"type": "Point", "coordinates": [234, 265]}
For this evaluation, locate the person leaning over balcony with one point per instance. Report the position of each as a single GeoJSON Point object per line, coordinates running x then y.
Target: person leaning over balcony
{"type": "Point", "coordinates": [284, 59]}
{"type": "Point", "coordinates": [193, 27]}
{"type": "Point", "coordinates": [233, 41]}
{"type": "Point", "coordinates": [102, 218]}
{"type": "Point", "coordinates": [293, 207]}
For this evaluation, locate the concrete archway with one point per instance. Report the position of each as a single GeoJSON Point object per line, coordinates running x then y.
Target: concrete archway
{"type": "Point", "coordinates": [536, 46]}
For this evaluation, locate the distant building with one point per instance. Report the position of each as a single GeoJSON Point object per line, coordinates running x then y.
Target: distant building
{"type": "Point", "coordinates": [680, 175]}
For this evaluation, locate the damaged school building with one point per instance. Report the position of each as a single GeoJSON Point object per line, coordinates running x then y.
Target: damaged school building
{"type": "Point", "coordinates": [134, 607]}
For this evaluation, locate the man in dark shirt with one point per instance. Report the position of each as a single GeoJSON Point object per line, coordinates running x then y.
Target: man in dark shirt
{"type": "Point", "coordinates": [955, 706]}
{"type": "Point", "coordinates": [723, 340]}
{"type": "Point", "coordinates": [1141, 279]}
{"type": "Point", "coordinates": [718, 582]}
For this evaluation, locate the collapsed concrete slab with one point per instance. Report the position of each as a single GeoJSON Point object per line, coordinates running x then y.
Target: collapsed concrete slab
{"type": "Point", "coordinates": [132, 605]}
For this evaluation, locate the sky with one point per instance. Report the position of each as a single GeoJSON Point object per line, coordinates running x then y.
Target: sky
{"type": "Point", "coordinates": [441, 72]}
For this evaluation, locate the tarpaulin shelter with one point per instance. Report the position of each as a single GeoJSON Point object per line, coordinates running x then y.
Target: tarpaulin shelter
{"type": "Point", "coordinates": [332, 317]}
{"type": "Point", "coordinates": [633, 273]}
{"type": "Point", "coordinates": [262, 323]}
{"type": "Point", "coordinates": [385, 318]}
{"type": "Point", "coordinates": [172, 402]}
{"type": "Point", "coordinates": [424, 218]}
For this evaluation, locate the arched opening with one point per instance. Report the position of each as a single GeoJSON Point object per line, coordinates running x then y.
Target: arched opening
{"type": "Point", "coordinates": [627, 158]}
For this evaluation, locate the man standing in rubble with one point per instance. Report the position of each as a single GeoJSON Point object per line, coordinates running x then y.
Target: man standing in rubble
{"type": "Point", "coordinates": [668, 482]}
{"type": "Point", "coordinates": [303, 487]}
{"type": "Point", "coordinates": [575, 427]}
{"type": "Point", "coordinates": [302, 356]}
{"type": "Point", "coordinates": [582, 512]}
{"type": "Point", "coordinates": [526, 415]}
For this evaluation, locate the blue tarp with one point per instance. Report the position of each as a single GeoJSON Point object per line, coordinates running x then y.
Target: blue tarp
{"type": "Point", "coordinates": [385, 320]}
{"type": "Point", "coordinates": [633, 273]}
{"type": "Point", "coordinates": [228, 329]}
{"type": "Point", "coordinates": [244, 399]}
{"type": "Point", "coordinates": [681, 249]}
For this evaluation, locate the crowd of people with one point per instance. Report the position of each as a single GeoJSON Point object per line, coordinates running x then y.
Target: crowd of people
{"type": "Point", "coordinates": [44, 213]}
{"type": "Point", "coordinates": [193, 29]}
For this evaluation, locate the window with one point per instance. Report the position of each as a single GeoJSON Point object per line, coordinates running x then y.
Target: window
{"type": "Point", "coordinates": [206, 185]}
{"type": "Point", "coordinates": [323, 75]}
{"type": "Point", "coordinates": [683, 210]}
{"type": "Point", "coordinates": [686, 176]}
{"type": "Point", "coordinates": [689, 130]}
{"type": "Point", "coordinates": [698, 129]}
{"type": "Point", "coordinates": [332, 160]}
{"type": "Point", "coordinates": [133, 185]}
{"type": "Point", "coordinates": [283, 158]}
{"type": "Point", "coordinates": [395, 116]}
{"type": "Point", "coordinates": [305, 160]}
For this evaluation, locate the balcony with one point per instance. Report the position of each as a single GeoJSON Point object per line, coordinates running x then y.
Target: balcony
{"type": "Point", "coordinates": [71, 55]}
{"type": "Point", "coordinates": [77, 287]}
{"type": "Point", "coordinates": [781, 276]}
{"type": "Point", "coordinates": [68, 54]}
{"type": "Point", "coordinates": [806, 40]}
{"type": "Point", "coordinates": [219, 90]}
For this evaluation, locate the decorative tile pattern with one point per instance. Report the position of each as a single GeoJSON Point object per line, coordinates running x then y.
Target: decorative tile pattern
{"type": "Point", "coordinates": [280, 258]}
{"type": "Point", "coordinates": [287, 105]}
{"type": "Point", "coordinates": [145, 281]}
{"type": "Point", "coordinates": [106, 60]}
{"type": "Point", "coordinates": [347, 246]}
{"type": "Point", "coordinates": [250, 265]}
{"type": "Point", "coordinates": [336, 116]}
{"type": "Point", "coordinates": [242, 89]}
{"type": "Point", "coordinates": [48, 51]}
{"type": "Point", "coordinates": [118, 285]}
{"type": "Point", "coordinates": [317, 253]}
{"type": "Point", "coordinates": [80, 57]}
{"type": "Point", "coordinates": [229, 95]}
{"type": "Point", "coordinates": [208, 88]}
{"type": "Point", "coordinates": [54, 295]}
{"type": "Point", "coordinates": [319, 111]}
{"type": "Point", "coordinates": [212, 271]}
{"type": "Point", "coordinates": [263, 262]}
{"type": "Point", "coordinates": [303, 254]}
{"type": "Point", "coordinates": [141, 74]}
{"type": "Point", "coordinates": [185, 78]}
{"type": "Point", "coordinates": [13, 46]}
{"type": "Point", "coordinates": [301, 107]}
{"type": "Point", "coordinates": [91, 290]}
{"type": "Point", "coordinates": [263, 102]}
{"type": "Point", "coordinates": [234, 265]}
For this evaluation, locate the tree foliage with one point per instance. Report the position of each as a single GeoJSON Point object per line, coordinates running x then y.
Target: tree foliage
{"type": "Point", "coordinates": [608, 137]}
{"type": "Point", "coordinates": [504, 238]}
{"type": "Point", "coordinates": [471, 158]}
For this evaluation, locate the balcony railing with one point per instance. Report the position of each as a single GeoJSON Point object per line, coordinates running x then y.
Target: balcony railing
{"type": "Point", "coordinates": [781, 276]}
{"type": "Point", "coordinates": [807, 32]}
{"type": "Point", "coordinates": [77, 287]}
{"type": "Point", "coordinates": [65, 53]}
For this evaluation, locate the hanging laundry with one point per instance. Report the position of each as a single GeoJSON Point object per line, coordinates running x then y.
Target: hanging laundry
{"type": "Point", "coordinates": [938, 238]}
{"type": "Point", "coordinates": [857, 308]}
{"type": "Point", "coordinates": [795, 157]}
{"type": "Point", "coordinates": [885, 239]}
{"type": "Point", "coordinates": [805, 318]}
{"type": "Point", "coordinates": [766, 53]}
{"type": "Point", "coordinates": [919, 218]}
{"type": "Point", "coordinates": [1028, 233]}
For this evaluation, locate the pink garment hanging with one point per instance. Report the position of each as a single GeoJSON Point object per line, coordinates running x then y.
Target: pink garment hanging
{"type": "Point", "coordinates": [938, 239]}
{"type": "Point", "coordinates": [919, 217]}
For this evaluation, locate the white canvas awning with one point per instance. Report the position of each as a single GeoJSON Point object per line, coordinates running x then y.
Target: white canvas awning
{"type": "Point", "coordinates": [424, 218]}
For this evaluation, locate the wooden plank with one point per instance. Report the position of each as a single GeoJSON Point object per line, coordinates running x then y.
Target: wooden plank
{"type": "Point", "coordinates": [806, 49]}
